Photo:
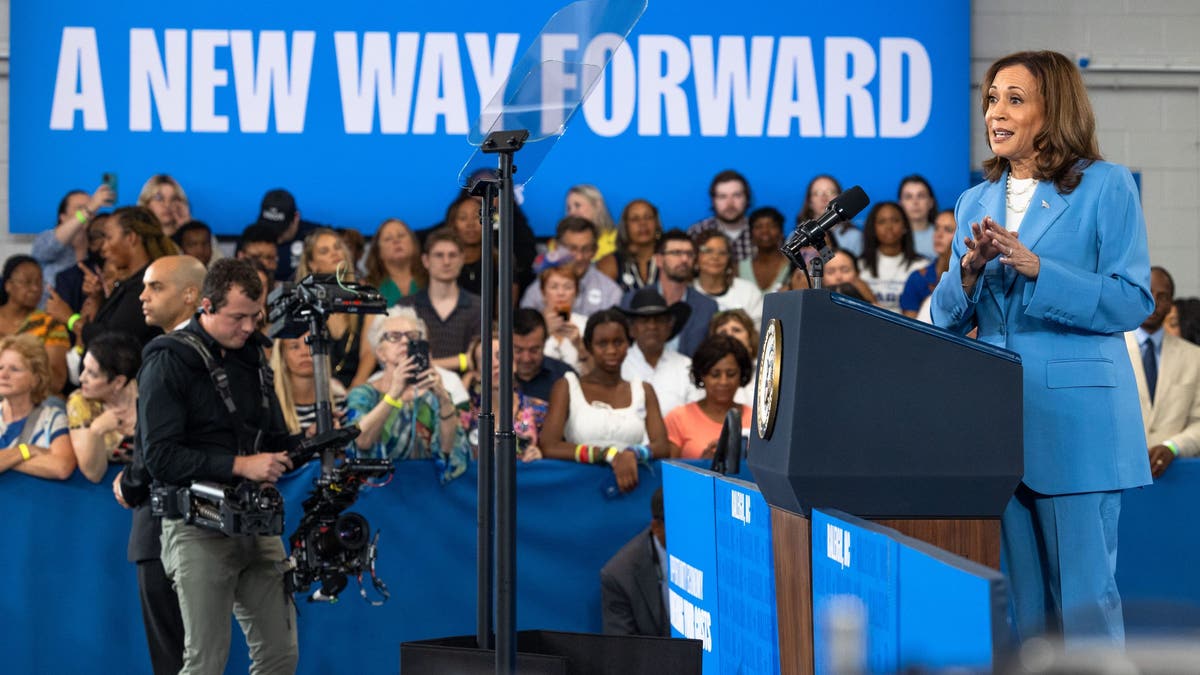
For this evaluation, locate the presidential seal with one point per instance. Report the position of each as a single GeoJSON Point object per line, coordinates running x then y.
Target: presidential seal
{"type": "Point", "coordinates": [767, 400]}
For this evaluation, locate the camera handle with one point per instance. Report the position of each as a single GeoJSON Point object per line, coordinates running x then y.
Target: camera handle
{"type": "Point", "coordinates": [319, 342]}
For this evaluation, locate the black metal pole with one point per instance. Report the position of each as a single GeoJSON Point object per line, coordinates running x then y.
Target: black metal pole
{"type": "Point", "coordinates": [318, 342]}
{"type": "Point", "coordinates": [506, 451]}
{"type": "Point", "coordinates": [484, 518]}
{"type": "Point", "coordinates": [817, 272]}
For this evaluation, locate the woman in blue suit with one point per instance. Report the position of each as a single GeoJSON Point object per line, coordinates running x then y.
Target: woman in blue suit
{"type": "Point", "coordinates": [1052, 263]}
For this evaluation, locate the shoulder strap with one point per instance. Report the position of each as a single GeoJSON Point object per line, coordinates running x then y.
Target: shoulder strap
{"type": "Point", "coordinates": [215, 371]}
{"type": "Point", "coordinates": [31, 423]}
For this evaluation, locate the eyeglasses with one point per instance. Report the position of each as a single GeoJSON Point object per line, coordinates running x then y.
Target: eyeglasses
{"type": "Point", "coordinates": [588, 250]}
{"type": "Point", "coordinates": [718, 252]}
{"type": "Point", "coordinates": [398, 336]}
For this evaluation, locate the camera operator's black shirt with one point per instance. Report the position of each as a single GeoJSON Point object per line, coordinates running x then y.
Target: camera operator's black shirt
{"type": "Point", "coordinates": [183, 426]}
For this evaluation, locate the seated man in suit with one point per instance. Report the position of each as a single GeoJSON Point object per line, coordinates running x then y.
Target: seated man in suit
{"type": "Point", "coordinates": [1167, 370]}
{"type": "Point", "coordinates": [633, 583]}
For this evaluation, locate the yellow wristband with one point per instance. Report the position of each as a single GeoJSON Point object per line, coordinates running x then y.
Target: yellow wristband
{"type": "Point", "coordinates": [82, 216]}
{"type": "Point", "coordinates": [24, 452]}
{"type": "Point", "coordinates": [462, 363]}
{"type": "Point", "coordinates": [387, 398]}
{"type": "Point", "coordinates": [1172, 447]}
{"type": "Point", "coordinates": [72, 321]}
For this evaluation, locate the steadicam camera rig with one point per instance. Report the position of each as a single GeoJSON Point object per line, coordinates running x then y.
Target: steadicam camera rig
{"type": "Point", "coordinates": [331, 544]}
{"type": "Point", "coordinates": [244, 508]}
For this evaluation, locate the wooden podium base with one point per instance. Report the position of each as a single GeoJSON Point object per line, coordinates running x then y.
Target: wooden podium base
{"type": "Point", "coordinates": [977, 540]}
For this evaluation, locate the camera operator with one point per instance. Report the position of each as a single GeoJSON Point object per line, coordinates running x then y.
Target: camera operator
{"type": "Point", "coordinates": [187, 436]}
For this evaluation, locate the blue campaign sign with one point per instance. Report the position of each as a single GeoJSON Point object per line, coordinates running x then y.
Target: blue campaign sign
{"type": "Point", "coordinates": [952, 612]}
{"type": "Point", "coordinates": [748, 627]}
{"type": "Point", "coordinates": [692, 557]}
{"type": "Point", "coordinates": [362, 110]}
{"type": "Point", "coordinates": [853, 558]}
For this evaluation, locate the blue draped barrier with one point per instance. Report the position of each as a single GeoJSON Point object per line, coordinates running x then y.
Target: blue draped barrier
{"type": "Point", "coordinates": [71, 604]}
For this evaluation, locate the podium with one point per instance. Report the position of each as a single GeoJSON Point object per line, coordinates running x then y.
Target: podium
{"type": "Point", "coordinates": [867, 412]}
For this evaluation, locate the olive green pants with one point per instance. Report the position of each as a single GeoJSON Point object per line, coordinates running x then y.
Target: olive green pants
{"type": "Point", "coordinates": [216, 576]}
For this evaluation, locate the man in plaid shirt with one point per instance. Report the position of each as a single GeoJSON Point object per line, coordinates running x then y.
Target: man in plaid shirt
{"type": "Point", "coordinates": [730, 195]}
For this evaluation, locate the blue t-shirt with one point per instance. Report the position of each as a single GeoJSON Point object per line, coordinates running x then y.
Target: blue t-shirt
{"type": "Point", "coordinates": [919, 286]}
{"type": "Point", "coordinates": [51, 423]}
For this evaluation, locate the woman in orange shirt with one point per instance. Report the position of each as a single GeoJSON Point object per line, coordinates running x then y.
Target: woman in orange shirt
{"type": "Point", "coordinates": [720, 366]}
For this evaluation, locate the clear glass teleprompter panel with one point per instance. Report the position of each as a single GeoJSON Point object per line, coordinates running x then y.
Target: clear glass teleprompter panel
{"type": "Point", "coordinates": [552, 79]}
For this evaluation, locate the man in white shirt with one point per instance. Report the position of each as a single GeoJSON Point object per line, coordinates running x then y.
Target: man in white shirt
{"type": "Point", "coordinates": [653, 323]}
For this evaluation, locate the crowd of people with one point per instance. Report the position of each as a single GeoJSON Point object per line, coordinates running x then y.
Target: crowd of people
{"type": "Point", "coordinates": [631, 341]}
{"type": "Point", "coordinates": [77, 312]}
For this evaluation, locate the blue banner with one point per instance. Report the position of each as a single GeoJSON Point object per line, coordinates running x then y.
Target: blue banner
{"type": "Point", "coordinates": [952, 614]}
{"type": "Point", "coordinates": [748, 624]}
{"type": "Point", "coordinates": [854, 583]}
{"type": "Point", "coordinates": [362, 110]}
{"type": "Point", "coordinates": [692, 558]}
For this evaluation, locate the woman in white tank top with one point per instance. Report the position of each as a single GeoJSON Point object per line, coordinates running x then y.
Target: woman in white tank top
{"type": "Point", "coordinates": [600, 418]}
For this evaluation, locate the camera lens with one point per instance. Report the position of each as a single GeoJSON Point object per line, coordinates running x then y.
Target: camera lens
{"type": "Point", "coordinates": [353, 531]}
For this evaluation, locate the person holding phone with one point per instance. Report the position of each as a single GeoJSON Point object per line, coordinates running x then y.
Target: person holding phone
{"type": "Point", "coordinates": [405, 411]}
{"type": "Point", "coordinates": [450, 312]}
{"type": "Point", "coordinates": [564, 326]}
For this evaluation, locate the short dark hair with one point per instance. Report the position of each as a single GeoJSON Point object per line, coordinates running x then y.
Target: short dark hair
{"type": "Point", "coordinates": [610, 315]}
{"type": "Point", "coordinates": [191, 226]}
{"type": "Point", "coordinates": [257, 233]}
{"type": "Point", "coordinates": [713, 349]}
{"type": "Point", "coordinates": [62, 203]}
{"type": "Point", "coordinates": [117, 353]}
{"type": "Point", "coordinates": [769, 212]}
{"type": "Point", "coordinates": [674, 234]}
{"type": "Point", "coordinates": [1156, 268]}
{"type": "Point", "coordinates": [527, 320]}
{"type": "Point", "coordinates": [442, 234]}
{"type": "Point", "coordinates": [726, 176]}
{"type": "Point", "coordinates": [224, 275]}
{"type": "Point", "coordinates": [574, 224]}
{"type": "Point", "coordinates": [10, 267]}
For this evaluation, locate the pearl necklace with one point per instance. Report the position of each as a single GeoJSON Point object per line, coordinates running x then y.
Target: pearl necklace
{"type": "Point", "coordinates": [1009, 195]}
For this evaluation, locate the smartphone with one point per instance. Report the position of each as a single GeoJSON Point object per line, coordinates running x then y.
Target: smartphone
{"type": "Point", "coordinates": [418, 351]}
{"type": "Point", "coordinates": [110, 179]}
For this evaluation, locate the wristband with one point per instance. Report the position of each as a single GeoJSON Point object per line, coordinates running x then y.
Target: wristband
{"type": "Point", "coordinates": [72, 321]}
{"type": "Point", "coordinates": [462, 363]}
{"type": "Point", "coordinates": [642, 453]}
{"type": "Point", "coordinates": [581, 453]}
{"type": "Point", "coordinates": [82, 216]}
{"type": "Point", "coordinates": [387, 398]}
{"type": "Point", "coordinates": [610, 454]}
{"type": "Point", "coordinates": [24, 452]}
{"type": "Point", "coordinates": [1172, 447]}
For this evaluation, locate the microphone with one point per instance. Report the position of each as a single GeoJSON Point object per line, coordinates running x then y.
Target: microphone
{"type": "Point", "coordinates": [812, 232]}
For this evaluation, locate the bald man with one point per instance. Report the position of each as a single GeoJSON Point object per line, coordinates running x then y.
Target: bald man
{"type": "Point", "coordinates": [170, 295]}
{"type": "Point", "coordinates": [171, 290]}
